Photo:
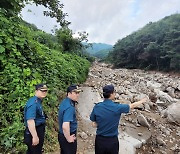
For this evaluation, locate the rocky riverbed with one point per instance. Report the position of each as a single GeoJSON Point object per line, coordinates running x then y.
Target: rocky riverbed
{"type": "Point", "coordinates": [151, 128]}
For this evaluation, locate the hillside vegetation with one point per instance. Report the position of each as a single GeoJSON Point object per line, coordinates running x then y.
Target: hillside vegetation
{"type": "Point", "coordinates": [154, 47]}
{"type": "Point", "coordinates": [102, 53]}
{"type": "Point", "coordinates": [28, 57]}
{"type": "Point", "coordinates": [99, 47]}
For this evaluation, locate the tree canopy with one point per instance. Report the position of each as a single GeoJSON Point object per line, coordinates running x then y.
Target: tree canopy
{"type": "Point", "coordinates": [155, 46]}
{"type": "Point", "coordinates": [13, 7]}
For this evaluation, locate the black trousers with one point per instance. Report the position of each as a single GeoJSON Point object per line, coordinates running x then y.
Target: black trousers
{"type": "Point", "coordinates": [106, 145]}
{"type": "Point", "coordinates": [28, 140]}
{"type": "Point", "coordinates": [66, 147]}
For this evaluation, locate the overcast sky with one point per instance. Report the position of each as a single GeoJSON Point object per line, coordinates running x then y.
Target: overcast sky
{"type": "Point", "coordinates": [106, 21]}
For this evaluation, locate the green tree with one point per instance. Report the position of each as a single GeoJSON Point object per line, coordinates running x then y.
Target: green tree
{"type": "Point", "coordinates": [13, 7]}
{"type": "Point", "coordinates": [155, 46]}
{"type": "Point", "coordinates": [151, 55]}
{"type": "Point", "coordinates": [68, 42]}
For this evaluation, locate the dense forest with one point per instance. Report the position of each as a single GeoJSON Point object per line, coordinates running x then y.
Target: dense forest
{"type": "Point", "coordinates": [29, 56]}
{"type": "Point", "coordinates": [154, 47]}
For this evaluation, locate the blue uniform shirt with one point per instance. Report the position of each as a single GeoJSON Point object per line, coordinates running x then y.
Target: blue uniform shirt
{"type": "Point", "coordinates": [67, 113]}
{"type": "Point", "coordinates": [107, 115]}
{"type": "Point", "coordinates": [34, 110]}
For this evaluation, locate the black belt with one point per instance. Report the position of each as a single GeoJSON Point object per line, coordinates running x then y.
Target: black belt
{"type": "Point", "coordinates": [106, 136]}
{"type": "Point", "coordinates": [70, 133]}
{"type": "Point", "coordinates": [42, 124]}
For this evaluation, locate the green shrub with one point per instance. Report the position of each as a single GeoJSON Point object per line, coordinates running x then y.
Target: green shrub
{"type": "Point", "coordinates": [24, 63]}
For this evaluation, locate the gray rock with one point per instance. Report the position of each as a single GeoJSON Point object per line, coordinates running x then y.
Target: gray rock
{"type": "Point", "coordinates": [160, 141]}
{"type": "Point", "coordinates": [153, 85]}
{"type": "Point", "coordinates": [161, 103]}
{"type": "Point", "coordinates": [120, 90]}
{"type": "Point", "coordinates": [164, 97]}
{"type": "Point", "coordinates": [151, 104]}
{"type": "Point", "coordinates": [153, 97]}
{"type": "Point", "coordinates": [83, 135]}
{"type": "Point", "coordinates": [173, 113]}
{"type": "Point", "coordinates": [133, 90]}
{"type": "Point", "coordinates": [164, 113]}
{"type": "Point", "coordinates": [117, 96]}
{"type": "Point", "coordinates": [175, 147]}
{"type": "Point", "coordinates": [142, 121]}
{"type": "Point", "coordinates": [171, 91]}
{"type": "Point", "coordinates": [140, 134]}
{"type": "Point", "coordinates": [167, 132]}
{"type": "Point", "coordinates": [178, 133]}
{"type": "Point", "coordinates": [141, 96]}
{"type": "Point", "coordinates": [178, 87]}
{"type": "Point", "coordinates": [146, 106]}
{"type": "Point", "coordinates": [141, 107]}
{"type": "Point", "coordinates": [163, 152]}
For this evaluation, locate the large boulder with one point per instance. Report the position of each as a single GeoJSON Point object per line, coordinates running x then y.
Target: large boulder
{"type": "Point", "coordinates": [173, 114]}
{"type": "Point", "coordinates": [142, 121]}
{"type": "Point", "coordinates": [164, 97]}
{"type": "Point", "coordinates": [171, 91]}
{"type": "Point", "coordinates": [153, 85]}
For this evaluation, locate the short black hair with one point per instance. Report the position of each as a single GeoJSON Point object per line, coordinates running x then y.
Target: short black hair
{"type": "Point", "coordinates": [108, 90]}
{"type": "Point", "coordinates": [106, 95]}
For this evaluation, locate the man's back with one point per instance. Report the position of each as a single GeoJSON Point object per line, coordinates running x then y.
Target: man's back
{"type": "Point", "coordinates": [107, 115]}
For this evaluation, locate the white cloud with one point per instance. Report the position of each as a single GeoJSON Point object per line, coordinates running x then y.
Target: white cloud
{"type": "Point", "coordinates": [34, 15]}
{"type": "Point", "coordinates": [107, 21]}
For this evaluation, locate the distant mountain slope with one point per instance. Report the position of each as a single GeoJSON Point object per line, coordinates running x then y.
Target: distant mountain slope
{"type": "Point", "coordinates": [96, 47]}
{"type": "Point", "coordinates": [103, 53]}
{"type": "Point", "coordinates": [156, 46]}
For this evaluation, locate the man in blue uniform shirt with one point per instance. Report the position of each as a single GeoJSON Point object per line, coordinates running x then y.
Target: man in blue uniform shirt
{"type": "Point", "coordinates": [35, 121]}
{"type": "Point", "coordinates": [105, 117]}
{"type": "Point", "coordinates": [68, 122]}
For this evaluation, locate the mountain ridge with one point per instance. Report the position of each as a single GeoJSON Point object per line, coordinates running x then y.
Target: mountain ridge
{"type": "Point", "coordinates": [96, 47]}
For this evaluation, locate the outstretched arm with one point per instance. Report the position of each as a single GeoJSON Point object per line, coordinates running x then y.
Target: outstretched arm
{"type": "Point", "coordinates": [133, 105]}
